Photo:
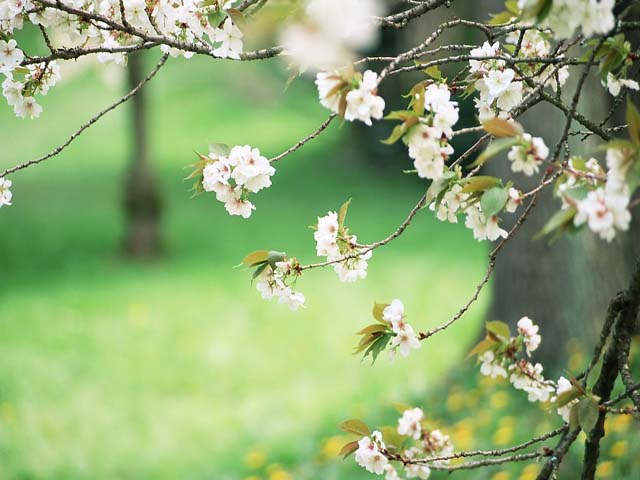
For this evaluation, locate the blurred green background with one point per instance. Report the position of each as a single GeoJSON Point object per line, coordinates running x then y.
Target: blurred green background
{"type": "Point", "coordinates": [175, 368]}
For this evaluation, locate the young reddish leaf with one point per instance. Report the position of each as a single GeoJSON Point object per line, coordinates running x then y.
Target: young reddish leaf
{"type": "Point", "coordinates": [378, 310]}
{"type": "Point", "coordinates": [348, 449]}
{"type": "Point", "coordinates": [483, 346]}
{"type": "Point", "coordinates": [499, 127]}
{"type": "Point", "coordinates": [376, 327]}
{"type": "Point", "coordinates": [355, 426]}
{"type": "Point", "coordinates": [256, 257]}
{"type": "Point", "coordinates": [499, 328]}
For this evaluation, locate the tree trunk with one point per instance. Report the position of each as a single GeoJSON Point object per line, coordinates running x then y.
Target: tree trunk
{"type": "Point", "coordinates": [142, 202]}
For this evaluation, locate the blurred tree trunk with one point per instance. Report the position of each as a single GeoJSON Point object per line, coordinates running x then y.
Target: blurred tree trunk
{"type": "Point", "coordinates": [142, 203]}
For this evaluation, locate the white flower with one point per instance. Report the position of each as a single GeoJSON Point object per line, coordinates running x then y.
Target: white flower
{"type": "Point", "coordinates": [514, 201]}
{"type": "Point", "coordinates": [238, 206]}
{"type": "Point", "coordinates": [405, 340]}
{"type": "Point", "coordinates": [327, 84]}
{"type": "Point", "coordinates": [363, 103]}
{"type": "Point", "coordinates": [510, 97]}
{"type": "Point", "coordinates": [5, 193]}
{"type": "Point", "coordinates": [351, 22]}
{"type": "Point", "coordinates": [352, 268]}
{"type": "Point", "coordinates": [391, 473]}
{"type": "Point", "coordinates": [27, 107]}
{"type": "Point", "coordinates": [326, 235]}
{"type": "Point", "coordinates": [12, 91]}
{"type": "Point", "coordinates": [394, 312]}
{"type": "Point", "coordinates": [230, 39]}
{"type": "Point", "coordinates": [409, 423]}
{"type": "Point", "coordinates": [615, 85]}
{"type": "Point", "coordinates": [251, 170]}
{"type": "Point", "coordinates": [529, 332]}
{"type": "Point", "coordinates": [490, 367]}
{"type": "Point", "coordinates": [605, 210]}
{"type": "Point", "coordinates": [528, 377]}
{"type": "Point", "coordinates": [486, 50]}
{"type": "Point", "coordinates": [527, 156]}
{"type": "Point", "coordinates": [483, 229]}
{"type": "Point", "coordinates": [215, 172]}
{"type": "Point", "coordinates": [293, 300]}
{"type": "Point", "coordinates": [497, 81]}
{"type": "Point", "coordinates": [10, 55]}
{"type": "Point", "coordinates": [598, 17]}
{"type": "Point", "coordinates": [369, 456]}
{"type": "Point", "coordinates": [564, 386]}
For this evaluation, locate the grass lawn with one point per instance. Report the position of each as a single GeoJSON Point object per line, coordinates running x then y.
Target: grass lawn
{"type": "Point", "coordinates": [177, 368]}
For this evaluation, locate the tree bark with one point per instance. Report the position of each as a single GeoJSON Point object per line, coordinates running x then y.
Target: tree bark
{"type": "Point", "coordinates": [142, 202]}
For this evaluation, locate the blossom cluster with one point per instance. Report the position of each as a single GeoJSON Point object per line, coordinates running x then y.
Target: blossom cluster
{"type": "Point", "coordinates": [498, 358]}
{"type": "Point", "coordinates": [272, 283]}
{"type": "Point", "coordinates": [596, 199]}
{"type": "Point", "coordinates": [528, 154]}
{"type": "Point", "coordinates": [234, 175]}
{"type": "Point", "coordinates": [333, 241]}
{"type": "Point", "coordinates": [425, 444]}
{"type": "Point", "coordinates": [351, 95]}
{"type": "Point", "coordinates": [428, 140]}
{"type": "Point", "coordinates": [182, 24]}
{"type": "Point", "coordinates": [566, 16]}
{"type": "Point", "coordinates": [324, 40]}
{"type": "Point", "coordinates": [21, 84]}
{"type": "Point", "coordinates": [404, 339]}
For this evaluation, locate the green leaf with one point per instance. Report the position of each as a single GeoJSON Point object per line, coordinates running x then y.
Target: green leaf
{"type": "Point", "coordinates": [566, 398]}
{"type": "Point", "coordinates": [574, 417]}
{"type": "Point", "coordinates": [588, 413]}
{"type": "Point", "coordinates": [219, 149]}
{"type": "Point", "coordinates": [396, 134]}
{"type": "Point", "coordinates": [493, 201]}
{"type": "Point", "coordinates": [401, 115]}
{"type": "Point", "coordinates": [499, 328]}
{"type": "Point", "coordinates": [478, 183]}
{"type": "Point", "coordinates": [348, 449]}
{"type": "Point", "coordinates": [342, 213]}
{"type": "Point", "coordinates": [256, 257]}
{"type": "Point", "coordinates": [499, 127]}
{"type": "Point", "coordinates": [633, 122]}
{"type": "Point", "coordinates": [433, 72]}
{"type": "Point", "coordinates": [500, 18]}
{"type": "Point", "coordinates": [438, 186]}
{"type": "Point", "coordinates": [494, 148]}
{"type": "Point", "coordinates": [275, 257]}
{"type": "Point", "coordinates": [377, 347]}
{"type": "Point", "coordinates": [560, 220]}
{"type": "Point", "coordinates": [378, 310]}
{"type": "Point", "coordinates": [483, 346]}
{"type": "Point", "coordinates": [355, 426]}
{"type": "Point", "coordinates": [259, 270]}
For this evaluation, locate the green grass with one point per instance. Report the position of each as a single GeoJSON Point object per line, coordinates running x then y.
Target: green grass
{"type": "Point", "coordinates": [176, 368]}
